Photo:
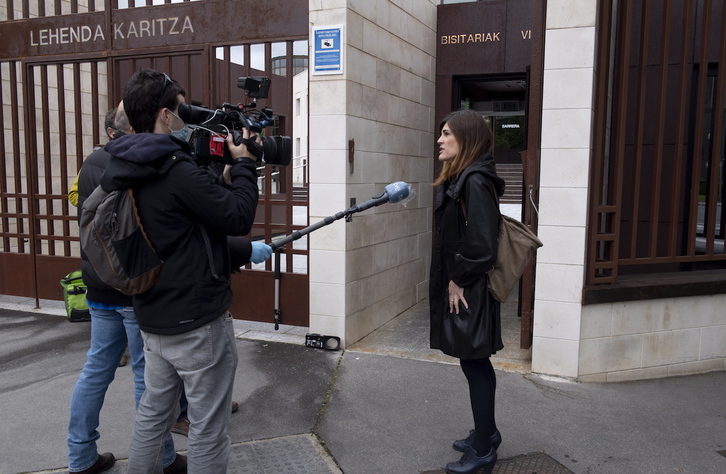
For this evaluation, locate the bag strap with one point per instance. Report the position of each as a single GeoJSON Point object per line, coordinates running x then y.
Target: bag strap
{"type": "Point", "coordinates": [205, 236]}
{"type": "Point", "coordinates": [176, 157]}
{"type": "Point", "coordinates": [207, 245]}
{"type": "Point", "coordinates": [210, 257]}
{"type": "Point", "coordinates": [462, 203]}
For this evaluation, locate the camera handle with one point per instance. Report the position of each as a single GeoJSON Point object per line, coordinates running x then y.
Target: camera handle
{"type": "Point", "coordinates": [251, 143]}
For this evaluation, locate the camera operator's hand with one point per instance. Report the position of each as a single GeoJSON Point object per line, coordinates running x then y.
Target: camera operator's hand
{"type": "Point", "coordinates": [238, 152]}
{"type": "Point", "coordinates": [260, 252]}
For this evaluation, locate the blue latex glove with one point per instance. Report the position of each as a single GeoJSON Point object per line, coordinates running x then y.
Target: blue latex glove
{"type": "Point", "coordinates": [260, 252]}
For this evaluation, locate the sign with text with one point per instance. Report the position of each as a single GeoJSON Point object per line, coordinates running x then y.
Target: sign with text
{"type": "Point", "coordinates": [328, 50]}
{"type": "Point", "coordinates": [170, 25]}
{"type": "Point", "coordinates": [484, 37]}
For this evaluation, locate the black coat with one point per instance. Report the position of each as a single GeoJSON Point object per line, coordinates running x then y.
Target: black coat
{"type": "Point", "coordinates": [174, 201]}
{"type": "Point", "coordinates": [240, 249]}
{"type": "Point", "coordinates": [464, 249]}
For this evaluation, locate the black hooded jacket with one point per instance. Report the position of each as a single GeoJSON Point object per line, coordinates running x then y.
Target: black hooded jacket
{"type": "Point", "coordinates": [464, 249]}
{"type": "Point", "coordinates": [175, 199]}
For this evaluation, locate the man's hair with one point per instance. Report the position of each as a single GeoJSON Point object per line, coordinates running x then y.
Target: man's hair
{"type": "Point", "coordinates": [147, 92]}
{"type": "Point", "coordinates": [122, 121]}
{"type": "Point", "coordinates": [109, 121]}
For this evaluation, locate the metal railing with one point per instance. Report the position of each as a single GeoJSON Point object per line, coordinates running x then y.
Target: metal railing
{"type": "Point", "coordinates": [299, 175]}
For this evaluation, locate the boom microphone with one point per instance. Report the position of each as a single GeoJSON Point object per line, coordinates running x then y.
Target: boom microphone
{"type": "Point", "coordinates": [394, 193]}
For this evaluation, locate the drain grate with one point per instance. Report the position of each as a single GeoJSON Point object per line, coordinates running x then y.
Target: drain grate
{"type": "Point", "coordinates": [290, 454]}
{"type": "Point", "coordinates": [537, 463]}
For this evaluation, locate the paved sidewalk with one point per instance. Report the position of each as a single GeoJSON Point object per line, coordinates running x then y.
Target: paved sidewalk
{"type": "Point", "coordinates": [393, 406]}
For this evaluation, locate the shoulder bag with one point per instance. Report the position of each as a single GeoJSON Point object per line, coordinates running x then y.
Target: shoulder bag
{"type": "Point", "coordinates": [514, 249]}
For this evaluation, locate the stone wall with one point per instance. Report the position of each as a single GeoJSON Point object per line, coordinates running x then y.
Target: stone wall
{"type": "Point", "coordinates": [365, 272]}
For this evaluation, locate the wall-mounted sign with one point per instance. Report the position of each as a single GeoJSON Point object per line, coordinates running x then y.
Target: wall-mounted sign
{"type": "Point", "coordinates": [328, 50]}
{"type": "Point", "coordinates": [484, 37]}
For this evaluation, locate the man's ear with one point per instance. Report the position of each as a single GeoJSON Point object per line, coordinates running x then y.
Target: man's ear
{"type": "Point", "coordinates": [110, 132]}
{"type": "Point", "coordinates": [164, 114]}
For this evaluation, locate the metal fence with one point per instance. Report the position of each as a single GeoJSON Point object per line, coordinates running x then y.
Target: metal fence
{"type": "Point", "coordinates": [658, 150]}
{"type": "Point", "coordinates": [54, 101]}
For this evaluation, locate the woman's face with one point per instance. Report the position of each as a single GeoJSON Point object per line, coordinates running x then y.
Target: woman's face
{"type": "Point", "coordinates": [448, 146]}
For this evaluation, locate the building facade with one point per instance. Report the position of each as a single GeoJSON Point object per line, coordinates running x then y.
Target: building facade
{"type": "Point", "coordinates": [608, 119]}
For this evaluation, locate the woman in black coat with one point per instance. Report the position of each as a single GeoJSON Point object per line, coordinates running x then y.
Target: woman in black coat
{"type": "Point", "coordinates": [465, 320]}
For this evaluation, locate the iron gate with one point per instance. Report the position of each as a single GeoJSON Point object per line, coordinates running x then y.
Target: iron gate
{"type": "Point", "coordinates": [52, 114]}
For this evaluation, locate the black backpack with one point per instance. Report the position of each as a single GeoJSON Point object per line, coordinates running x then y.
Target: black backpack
{"type": "Point", "coordinates": [115, 243]}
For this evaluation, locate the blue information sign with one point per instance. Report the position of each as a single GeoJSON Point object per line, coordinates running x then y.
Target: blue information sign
{"type": "Point", "coordinates": [328, 50]}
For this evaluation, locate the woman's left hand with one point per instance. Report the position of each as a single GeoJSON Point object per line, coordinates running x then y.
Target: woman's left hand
{"type": "Point", "coordinates": [456, 295]}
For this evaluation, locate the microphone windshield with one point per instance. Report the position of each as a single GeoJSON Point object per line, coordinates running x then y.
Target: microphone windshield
{"type": "Point", "coordinates": [397, 191]}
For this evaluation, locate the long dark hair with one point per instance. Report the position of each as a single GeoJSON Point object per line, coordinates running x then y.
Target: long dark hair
{"type": "Point", "coordinates": [474, 137]}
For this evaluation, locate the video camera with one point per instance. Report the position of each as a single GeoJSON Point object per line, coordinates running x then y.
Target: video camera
{"type": "Point", "coordinates": [209, 128]}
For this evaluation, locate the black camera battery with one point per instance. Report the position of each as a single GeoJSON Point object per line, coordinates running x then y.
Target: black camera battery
{"type": "Point", "coordinates": [208, 143]}
{"type": "Point", "coordinates": [318, 341]}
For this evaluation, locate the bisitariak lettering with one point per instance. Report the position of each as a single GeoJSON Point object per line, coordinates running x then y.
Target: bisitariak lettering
{"type": "Point", "coordinates": [491, 37]}
{"type": "Point", "coordinates": [471, 38]}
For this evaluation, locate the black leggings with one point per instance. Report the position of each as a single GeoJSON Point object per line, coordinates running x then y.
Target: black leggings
{"type": "Point", "coordinates": [482, 388]}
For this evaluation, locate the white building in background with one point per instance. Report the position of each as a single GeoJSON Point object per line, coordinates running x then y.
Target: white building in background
{"type": "Point", "coordinates": [300, 128]}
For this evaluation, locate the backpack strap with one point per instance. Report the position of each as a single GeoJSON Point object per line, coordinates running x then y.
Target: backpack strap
{"type": "Point", "coordinates": [176, 157]}
{"type": "Point", "coordinates": [208, 245]}
{"type": "Point", "coordinates": [462, 203]}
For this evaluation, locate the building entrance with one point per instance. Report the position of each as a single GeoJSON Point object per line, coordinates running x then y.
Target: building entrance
{"type": "Point", "coordinates": [489, 58]}
{"type": "Point", "coordinates": [502, 99]}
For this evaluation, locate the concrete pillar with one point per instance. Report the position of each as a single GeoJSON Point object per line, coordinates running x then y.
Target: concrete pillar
{"type": "Point", "coordinates": [567, 120]}
{"type": "Point", "coordinates": [366, 272]}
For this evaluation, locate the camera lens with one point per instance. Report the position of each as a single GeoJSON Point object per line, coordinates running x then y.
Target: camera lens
{"type": "Point", "coordinates": [277, 149]}
{"type": "Point", "coordinates": [193, 114]}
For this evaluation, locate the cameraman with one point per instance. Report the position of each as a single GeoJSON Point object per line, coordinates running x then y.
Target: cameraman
{"type": "Point", "coordinates": [185, 324]}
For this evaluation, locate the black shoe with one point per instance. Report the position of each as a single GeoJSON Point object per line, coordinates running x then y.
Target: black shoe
{"type": "Point", "coordinates": [179, 466]}
{"type": "Point", "coordinates": [461, 444]}
{"type": "Point", "coordinates": [104, 462]}
{"type": "Point", "coordinates": [471, 463]}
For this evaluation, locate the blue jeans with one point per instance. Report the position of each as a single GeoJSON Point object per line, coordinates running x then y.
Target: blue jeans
{"type": "Point", "coordinates": [183, 406]}
{"type": "Point", "coordinates": [111, 331]}
{"type": "Point", "coordinates": [202, 361]}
